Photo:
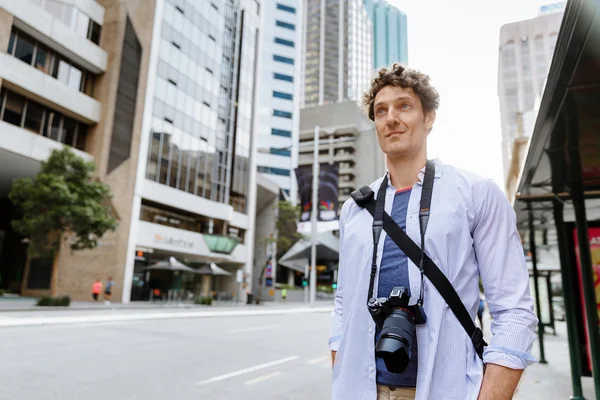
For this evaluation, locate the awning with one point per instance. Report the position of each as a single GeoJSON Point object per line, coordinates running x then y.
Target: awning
{"type": "Point", "coordinates": [212, 269]}
{"type": "Point", "coordinates": [298, 256]}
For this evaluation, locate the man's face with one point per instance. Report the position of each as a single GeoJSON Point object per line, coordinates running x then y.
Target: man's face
{"type": "Point", "coordinates": [402, 126]}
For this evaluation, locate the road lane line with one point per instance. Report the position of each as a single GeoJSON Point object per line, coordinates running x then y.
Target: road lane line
{"type": "Point", "coordinates": [247, 370]}
{"type": "Point", "coordinates": [318, 360]}
{"type": "Point", "coordinates": [262, 378]}
{"type": "Point", "coordinates": [255, 328]}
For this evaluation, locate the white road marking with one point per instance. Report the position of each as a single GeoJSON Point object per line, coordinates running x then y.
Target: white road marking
{"type": "Point", "coordinates": [247, 370]}
{"type": "Point", "coordinates": [318, 360]}
{"type": "Point", "coordinates": [262, 378]}
{"type": "Point", "coordinates": [255, 328]}
{"type": "Point", "coordinates": [36, 321]}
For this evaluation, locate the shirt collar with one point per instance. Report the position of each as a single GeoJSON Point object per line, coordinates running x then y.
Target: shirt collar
{"type": "Point", "coordinates": [439, 169]}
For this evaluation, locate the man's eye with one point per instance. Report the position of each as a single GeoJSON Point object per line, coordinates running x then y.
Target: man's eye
{"type": "Point", "coordinates": [405, 106]}
{"type": "Point", "coordinates": [380, 111]}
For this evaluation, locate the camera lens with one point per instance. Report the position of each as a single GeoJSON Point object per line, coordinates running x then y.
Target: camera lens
{"type": "Point", "coordinates": [396, 339]}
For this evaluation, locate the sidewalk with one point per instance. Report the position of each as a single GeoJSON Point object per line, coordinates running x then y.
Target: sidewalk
{"type": "Point", "coordinates": [552, 380]}
{"type": "Point", "coordinates": [19, 304]}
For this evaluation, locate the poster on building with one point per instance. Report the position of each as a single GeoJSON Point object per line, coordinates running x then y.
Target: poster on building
{"type": "Point", "coordinates": [328, 205]}
{"type": "Point", "coordinates": [594, 237]}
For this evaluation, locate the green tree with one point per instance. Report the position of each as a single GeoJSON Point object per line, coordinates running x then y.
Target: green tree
{"type": "Point", "coordinates": [62, 198]}
{"type": "Point", "coordinates": [287, 221]}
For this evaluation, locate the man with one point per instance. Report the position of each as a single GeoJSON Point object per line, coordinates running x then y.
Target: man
{"type": "Point", "coordinates": [108, 290]}
{"type": "Point", "coordinates": [471, 234]}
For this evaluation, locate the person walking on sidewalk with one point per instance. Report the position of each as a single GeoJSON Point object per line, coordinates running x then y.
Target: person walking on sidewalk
{"type": "Point", "coordinates": [96, 289]}
{"type": "Point", "coordinates": [108, 290]}
{"type": "Point", "coordinates": [471, 234]}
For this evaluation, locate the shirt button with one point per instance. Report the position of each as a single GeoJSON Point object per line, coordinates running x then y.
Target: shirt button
{"type": "Point", "coordinates": [370, 330]}
{"type": "Point", "coordinates": [371, 369]}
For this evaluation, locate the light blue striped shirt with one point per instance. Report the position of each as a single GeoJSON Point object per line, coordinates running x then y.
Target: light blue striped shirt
{"type": "Point", "coordinates": [471, 233]}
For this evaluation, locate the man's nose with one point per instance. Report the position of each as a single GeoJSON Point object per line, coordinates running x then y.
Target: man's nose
{"type": "Point", "coordinates": [393, 117]}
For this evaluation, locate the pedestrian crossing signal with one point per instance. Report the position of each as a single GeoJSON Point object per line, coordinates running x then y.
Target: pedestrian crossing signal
{"type": "Point", "coordinates": [334, 285]}
{"type": "Point", "coordinates": [304, 282]}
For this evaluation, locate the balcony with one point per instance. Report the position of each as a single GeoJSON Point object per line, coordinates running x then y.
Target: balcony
{"type": "Point", "coordinates": [55, 34]}
{"type": "Point", "coordinates": [20, 77]}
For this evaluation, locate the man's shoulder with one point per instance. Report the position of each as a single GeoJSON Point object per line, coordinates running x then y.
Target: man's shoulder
{"type": "Point", "coordinates": [350, 207]}
{"type": "Point", "coordinates": [458, 175]}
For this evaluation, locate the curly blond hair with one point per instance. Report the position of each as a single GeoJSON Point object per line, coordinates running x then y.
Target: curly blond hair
{"type": "Point", "coordinates": [399, 76]}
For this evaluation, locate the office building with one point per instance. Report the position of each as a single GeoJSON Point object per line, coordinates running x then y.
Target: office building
{"type": "Point", "coordinates": [390, 36]}
{"type": "Point", "coordinates": [525, 53]}
{"type": "Point", "coordinates": [279, 94]}
{"type": "Point", "coordinates": [338, 51]}
{"type": "Point", "coordinates": [161, 96]}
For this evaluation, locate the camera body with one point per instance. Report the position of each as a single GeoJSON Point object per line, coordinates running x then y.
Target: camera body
{"type": "Point", "coordinates": [396, 320]}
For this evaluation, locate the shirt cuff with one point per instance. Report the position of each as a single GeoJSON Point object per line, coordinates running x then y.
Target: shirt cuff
{"type": "Point", "coordinates": [334, 342]}
{"type": "Point", "coordinates": [507, 357]}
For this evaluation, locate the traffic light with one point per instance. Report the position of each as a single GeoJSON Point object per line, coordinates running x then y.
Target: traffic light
{"type": "Point", "coordinates": [304, 281]}
{"type": "Point", "coordinates": [334, 285]}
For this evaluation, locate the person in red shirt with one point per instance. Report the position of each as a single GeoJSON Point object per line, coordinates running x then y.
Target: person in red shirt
{"type": "Point", "coordinates": [96, 289]}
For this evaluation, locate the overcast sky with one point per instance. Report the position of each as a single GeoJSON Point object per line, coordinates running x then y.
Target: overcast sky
{"type": "Point", "coordinates": [456, 44]}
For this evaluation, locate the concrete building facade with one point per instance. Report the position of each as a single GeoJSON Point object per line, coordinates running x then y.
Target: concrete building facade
{"type": "Point", "coordinates": [525, 52]}
{"type": "Point", "coordinates": [279, 94]}
{"type": "Point", "coordinates": [360, 158]}
{"type": "Point", "coordinates": [160, 95]}
{"type": "Point", "coordinates": [338, 51]}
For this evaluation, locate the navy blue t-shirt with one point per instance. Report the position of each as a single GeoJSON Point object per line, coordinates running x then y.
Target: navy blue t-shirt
{"type": "Point", "coordinates": [394, 272]}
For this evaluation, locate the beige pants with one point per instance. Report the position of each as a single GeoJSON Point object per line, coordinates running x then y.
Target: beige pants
{"type": "Point", "coordinates": [385, 393]}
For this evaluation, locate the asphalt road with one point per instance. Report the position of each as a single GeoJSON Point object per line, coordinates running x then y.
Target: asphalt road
{"type": "Point", "coordinates": [245, 357]}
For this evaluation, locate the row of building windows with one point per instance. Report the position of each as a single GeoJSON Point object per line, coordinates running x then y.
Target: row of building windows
{"type": "Point", "coordinates": [282, 95]}
{"type": "Point", "coordinates": [280, 152]}
{"type": "Point", "coordinates": [283, 77]}
{"type": "Point", "coordinates": [72, 17]}
{"type": "Point", "coordinates": [274, 171]}
{"type": "Point", "coordinates": [31, 52]}
{"type": "Point", "coordinates": [281, 59]}
{"type": "Point", "coordinates": [281, 132]}
{"type": "Point", "coordinates": [162, 215]}
{"type": "Point", "coordinates": [284, 42]}
{"type": "Point", "coordinates": [32, 116]}
{"type": "Point", "coordinates": [285, 25]}
{"type": "Point", "coordinates": [283, 7]}
{"type": "Point", "coordinates": [282, 114]}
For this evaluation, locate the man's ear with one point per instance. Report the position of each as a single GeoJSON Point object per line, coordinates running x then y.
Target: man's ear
{"type": "Point", "coordinates": [429, 120]}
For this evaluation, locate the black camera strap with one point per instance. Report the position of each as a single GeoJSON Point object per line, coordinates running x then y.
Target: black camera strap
{"type": "Point", "coordinates": [364, 197]}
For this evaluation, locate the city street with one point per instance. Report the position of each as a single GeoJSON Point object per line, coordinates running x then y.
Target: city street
{"type": "Point", "coordinates": [249, 357]}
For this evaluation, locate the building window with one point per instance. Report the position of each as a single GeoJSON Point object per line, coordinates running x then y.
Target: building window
{"type": "Point", "coordinates": [28, 114]}
{"type": "Point", "coordinates": [283, 77]}
{"type": "Point", "coordinates": [282, 95]}
{"type": "Point", "coordinates": [281, 132]}
{"type": "Point", "coordinates": [283, 7]}
{"type": "Point", "coordinates": [285, 25]}
{"type": "Point", "coordinates": [284, 42]}
{"type": "Point", "coordinates": [284, 60]}
{"type": "Point", "coordinates": [283, 114]}
{"type": "Point", "coordinates": [281, 152]}
{"type": "Point", "coordinates": [273, 171]}
{"type": "Point", "coordinates": [43, 59]}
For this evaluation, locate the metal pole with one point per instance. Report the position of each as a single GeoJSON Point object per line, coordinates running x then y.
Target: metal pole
{"type": "Point", "coordinates": [585, 256]}
{"type": "Point", "coordinates": [313, 219]}
{"type": "Point", "coordinates": [305, 288]}
{"type": "Point", "coordinates": [536, 285]}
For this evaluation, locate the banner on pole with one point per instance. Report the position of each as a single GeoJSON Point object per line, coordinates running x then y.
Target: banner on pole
{"type": "Point", "coordinates": [327, 215]}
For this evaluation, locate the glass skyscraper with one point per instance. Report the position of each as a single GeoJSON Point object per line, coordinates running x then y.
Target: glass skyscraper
{"type": "Point", "coordinates": [390, 39]}
{"type": "Point", "coordinates": [338, 53]}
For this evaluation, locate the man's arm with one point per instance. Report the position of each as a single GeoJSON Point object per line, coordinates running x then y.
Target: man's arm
{"type": "Point", "coordinates": [499, 383]}
{"type": "Point", "coordinates": [505, 280]}
{"type": "Point", "coordinates": [337, 314]}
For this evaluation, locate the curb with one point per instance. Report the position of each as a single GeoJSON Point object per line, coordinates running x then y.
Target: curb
{"type": "Point", "coordinates": [19, 322]}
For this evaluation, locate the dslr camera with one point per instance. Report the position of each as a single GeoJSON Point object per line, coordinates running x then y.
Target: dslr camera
{"type": "Point", "coordinates": [396, 321]}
